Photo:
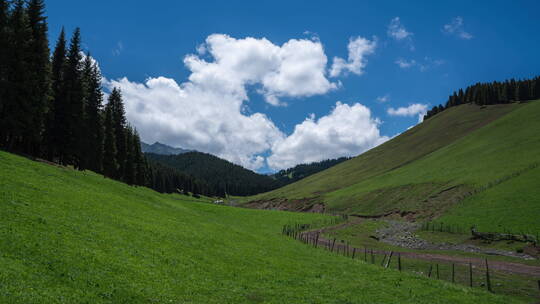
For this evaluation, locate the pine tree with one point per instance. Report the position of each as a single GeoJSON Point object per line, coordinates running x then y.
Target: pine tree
{"type": "Point", "coordinates": [110, 166]}
{"type": "Point", "coordinates": [130, 165]}
{"type": "Point", "coordinates": [537, 88]}
{"type": "Point", "coordinates": [4, 56]}
{"type": "Point", "coordinates": [73, 94]}
{"type": "Point", "coordinates": [119, 120]}
{"type": "Point", "coordinates": [56, 110]}
{"type": "Point", "coordinates": [39, 80]}
{"type": "Point", "coordinates": [140, 162]}
{"type": "Point", "coordinates": [17, 112]}
{"type": "Point", "coordinates": [93, 124]}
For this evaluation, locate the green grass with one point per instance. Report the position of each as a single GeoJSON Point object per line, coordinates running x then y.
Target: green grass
{"type": "Point", "coordinates": [513, 205]}
{"type": "Point", "coordinates": [466, 147]}
{"type": "Point", "coordinates": [76, 237]}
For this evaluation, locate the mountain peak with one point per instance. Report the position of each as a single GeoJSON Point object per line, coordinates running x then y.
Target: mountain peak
{"type": "Point", "coordinates": [163, 149]}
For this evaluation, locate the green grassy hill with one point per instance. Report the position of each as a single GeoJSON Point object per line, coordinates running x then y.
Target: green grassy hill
{"type": "Point", "coordinates": [466, 160]}
{"type": "Point", "coordinates": [76, 237]}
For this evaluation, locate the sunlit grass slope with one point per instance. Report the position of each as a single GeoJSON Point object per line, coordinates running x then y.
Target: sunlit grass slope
{"type": "Point", "coordinates": [72, 237]}
{"type": "Point", "coordinates": [511, 206]}
{"type": "Point", "coordinates": [498, 151]}
{"type": "Point", "coordinates": [413, 144]}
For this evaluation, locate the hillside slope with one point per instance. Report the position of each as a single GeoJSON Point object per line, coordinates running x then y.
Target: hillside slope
{"type": "Point", "coordinates": [429, 168]}
{"type": "Point", "coordinates": [76, 237]}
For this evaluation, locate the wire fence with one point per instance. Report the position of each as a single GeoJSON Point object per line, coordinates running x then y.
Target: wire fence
{"type": "Point", "coordinates": [473, 273]}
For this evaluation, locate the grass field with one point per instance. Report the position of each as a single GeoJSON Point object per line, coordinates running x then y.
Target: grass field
{"type": "Point", "coordinates": [490, 152]}
{"type": "Point", "coordinates": [76, 237]}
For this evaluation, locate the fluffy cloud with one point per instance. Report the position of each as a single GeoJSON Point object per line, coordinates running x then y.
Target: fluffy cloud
{"type": "Point", "coordinates": [455, 27]}
{"type": "Point", "coordinates": [397, 31]}
{"type": "Point", "coordinates": [295, 69]}
{"type": "Point", "coordinates": [412, 110]}
{"type": "Point", "coordinates": [192, 117]}
{"type": "Point", "coordinates": [346, 131]}
{"type": "Point", "coordinates": [208, 112]}
{"type": "Point", "coordinates": [358, 48]}
{"type": "Point", "coordinates": [405, 64]}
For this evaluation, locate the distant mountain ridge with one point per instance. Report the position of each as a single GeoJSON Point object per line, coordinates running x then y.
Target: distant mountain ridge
{"type": "Point", "coordinates": [162, 149]}
{"type": "Point", "coordinates": [222, 176]}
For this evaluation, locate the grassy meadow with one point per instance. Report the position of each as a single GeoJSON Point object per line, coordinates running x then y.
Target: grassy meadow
{"type": "Point", "coordinates": [76, 237]}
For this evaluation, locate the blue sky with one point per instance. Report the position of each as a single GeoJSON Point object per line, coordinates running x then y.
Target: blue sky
{"type": "Point", "coordinates": [441, 46]}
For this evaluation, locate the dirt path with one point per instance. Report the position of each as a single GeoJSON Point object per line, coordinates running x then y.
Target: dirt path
{"type": "Point", "coordinates": [511, 267]}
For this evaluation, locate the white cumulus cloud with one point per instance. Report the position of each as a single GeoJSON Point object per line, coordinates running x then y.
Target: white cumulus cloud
{"type": "Point", "coordinates": [412, 110]}
{"type": "Point", "coordinates": [455, 27]}
{"type": "Point", "coordinates": [295, 69]}
{"type": "Point", "coordinates": [208, 112]}
{"type": "Point", "coordinates": [347, 131]}
{"type": "Point", "coordinates": [358, 49]}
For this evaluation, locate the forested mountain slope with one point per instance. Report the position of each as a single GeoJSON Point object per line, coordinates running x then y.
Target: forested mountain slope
{"type": "Point", "coordinates": [222, 176]}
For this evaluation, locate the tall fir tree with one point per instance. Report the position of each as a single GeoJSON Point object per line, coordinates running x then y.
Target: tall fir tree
{"type": "Point", "coordinates": [56, 115]}
{"type": "Point", "coordinates": [17, 106]}
{"type": "Point", "coordinates": [140, 161]}
{"type": "Point", "coordinates": [120, 124]}
{"type": "Point", "coordinates": [93, 124]}
{"type": "Point", "coordinates": [130, 166]}
{"type": "Point", "coordinates": [110, 166]}
{"type": "Point", "coordinates": [73, 94]}
{"type": "Point", "coordinates": [39, 80]}
{"type": "Point", "coordinates": [4, 55]}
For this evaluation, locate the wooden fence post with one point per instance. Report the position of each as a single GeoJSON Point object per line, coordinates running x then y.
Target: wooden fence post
{"type": "Point", "coordinates": [437, 267]}
{"type": "Point", "coordinates": [333, 243]}
{"type": "Point", "coordinates": [429, 272]}
{"type": "Point", "coordinates": [470, 274]}
{"type": "Point", "coordinates": [365, 254]}
{"type": "Point", "coordinates": [384, 259]}
{"type": "Point", "coordinates": [488, 281]}
{"type": "Point", "coordinates": [353, 253]}
{"type": "Point", "coordinates": [453, 273]}
{"type": "Point", "coordinates": [389, 259]}
{"type": "Point", "coordinates": [399, 261]}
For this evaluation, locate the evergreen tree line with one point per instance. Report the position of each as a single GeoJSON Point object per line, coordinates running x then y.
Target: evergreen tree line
{"type": "Point", "coordinates": [52, 107]}
{"type": "Point", "coordinates": [298, 172]}
{"type": "Point", "coordinates": [492, 93]}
